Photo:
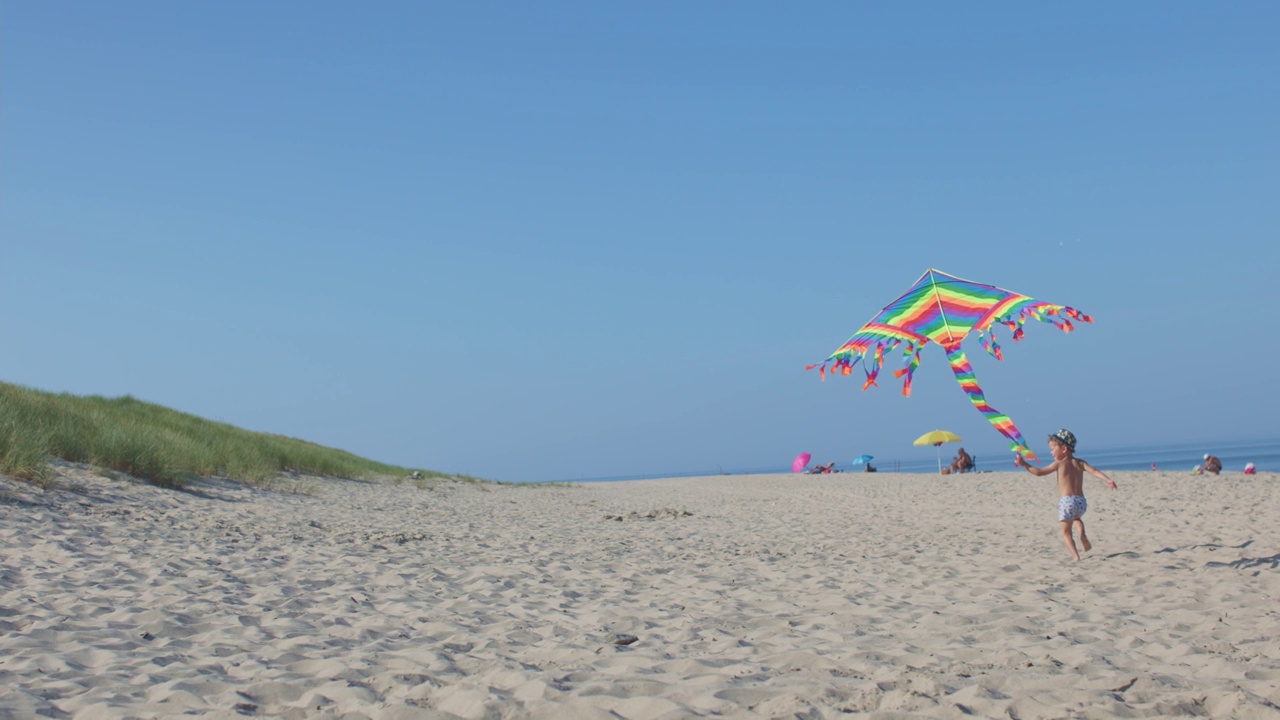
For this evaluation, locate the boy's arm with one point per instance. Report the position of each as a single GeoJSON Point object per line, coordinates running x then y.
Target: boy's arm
{"type": "Point", "coordinates": [1038, 472]}
{"type": "Point", "coordinates": [1096, 473]}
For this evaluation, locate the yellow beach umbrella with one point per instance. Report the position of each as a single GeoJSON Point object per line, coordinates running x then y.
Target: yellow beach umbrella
{"type": "Point", "coordinates": [936, 438]}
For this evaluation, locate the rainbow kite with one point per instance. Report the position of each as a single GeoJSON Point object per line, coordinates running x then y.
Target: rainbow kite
{"type": "Point", "coordinates": [945, 309]}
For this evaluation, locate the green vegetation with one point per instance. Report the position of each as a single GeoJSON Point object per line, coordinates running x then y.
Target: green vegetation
{"type": "Point", "coordinates": [157, 444]}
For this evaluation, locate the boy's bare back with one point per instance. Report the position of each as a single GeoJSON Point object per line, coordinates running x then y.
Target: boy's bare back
{"type": "Point", "coordinates": [1071, 476]}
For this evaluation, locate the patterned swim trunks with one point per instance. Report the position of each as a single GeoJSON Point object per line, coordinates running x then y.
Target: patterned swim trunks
{"type": "Point", "coordinates": [1071, 507]}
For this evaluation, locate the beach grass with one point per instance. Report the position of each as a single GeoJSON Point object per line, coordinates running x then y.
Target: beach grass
{"type": "Point", "coordinates": [158, 444]}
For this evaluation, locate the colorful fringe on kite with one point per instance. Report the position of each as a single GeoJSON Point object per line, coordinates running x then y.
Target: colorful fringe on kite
{"type": "Point", "coordinates": [945, 309]}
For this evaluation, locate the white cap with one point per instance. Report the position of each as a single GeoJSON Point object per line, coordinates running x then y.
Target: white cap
{"type": "Point", "coordinates": [1206, 456]}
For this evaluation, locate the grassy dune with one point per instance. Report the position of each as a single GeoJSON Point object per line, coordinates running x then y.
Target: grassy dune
{"type": "Point", "coordinates": [160, 445]}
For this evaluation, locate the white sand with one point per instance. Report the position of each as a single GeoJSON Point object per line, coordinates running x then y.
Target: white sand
{"type": "Point", "coordinates": [775, 596]}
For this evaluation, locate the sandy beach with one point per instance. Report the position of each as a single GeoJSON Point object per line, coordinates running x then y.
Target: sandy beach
{"type": "Point", "coordinates": [735, 596]}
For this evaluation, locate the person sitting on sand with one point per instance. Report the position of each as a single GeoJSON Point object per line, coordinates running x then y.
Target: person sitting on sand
{"type": "Point", "coordinates": [1211, 465]}
{"type": "Point", "coordinates": [1250, 469]}
{"type": "Point", "coordinates": [1070, 470]}
{"type": "Point", "coordinates": [961, 462]}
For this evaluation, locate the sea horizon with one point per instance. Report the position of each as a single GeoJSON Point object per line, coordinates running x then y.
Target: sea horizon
{"type": "Point", "coordinates": [1174, 457]}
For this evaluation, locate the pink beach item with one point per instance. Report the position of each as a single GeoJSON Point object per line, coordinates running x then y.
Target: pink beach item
{"type": "Point", "coordinates": [801, 460]}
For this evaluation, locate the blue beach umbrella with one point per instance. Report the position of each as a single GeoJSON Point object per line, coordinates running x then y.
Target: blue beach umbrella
{"type": "Point", "coordinates": [862, 459]}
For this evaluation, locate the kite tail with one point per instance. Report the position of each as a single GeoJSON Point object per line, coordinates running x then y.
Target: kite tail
{"type": "Point", "coordinates": [964, 375]}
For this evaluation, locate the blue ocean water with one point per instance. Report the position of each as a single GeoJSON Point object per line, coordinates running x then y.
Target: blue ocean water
{"type": "Point", "coordinates": [1264, 454]}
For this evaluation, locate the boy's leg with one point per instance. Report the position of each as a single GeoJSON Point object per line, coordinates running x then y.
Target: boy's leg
{"type": "Point", "coordinates": [1070, 541]}
{"type": "Point", "coordinates": [1084, 539]}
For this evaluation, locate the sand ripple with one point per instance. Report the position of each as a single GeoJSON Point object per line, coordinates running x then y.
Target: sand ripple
{"type": "Point", "coordinates": [764, 596]}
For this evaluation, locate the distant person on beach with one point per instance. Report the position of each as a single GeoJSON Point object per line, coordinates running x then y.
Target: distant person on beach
{"type": "Point", "coordinates": [1250, 469]}
{"type": "Point", "coordinates": [961, 462]}
{"type": "Point", "coordinates": [1211, 465]}
{"type": "Point", "coordinates": [1070, 470]}
{"type": "Point", "coordinates": [821, 469]}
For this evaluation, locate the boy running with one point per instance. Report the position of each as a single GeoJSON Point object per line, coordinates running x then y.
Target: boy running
{"type": "Point", "coordinates": [1071, 470]}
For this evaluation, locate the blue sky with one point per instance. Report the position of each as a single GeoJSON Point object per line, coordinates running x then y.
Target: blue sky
{"type": "Point", "coordinates": [537, 241]}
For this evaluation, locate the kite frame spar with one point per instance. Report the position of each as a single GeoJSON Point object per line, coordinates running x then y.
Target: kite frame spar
{"type": "Point", "coordinates": [920, 316]}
